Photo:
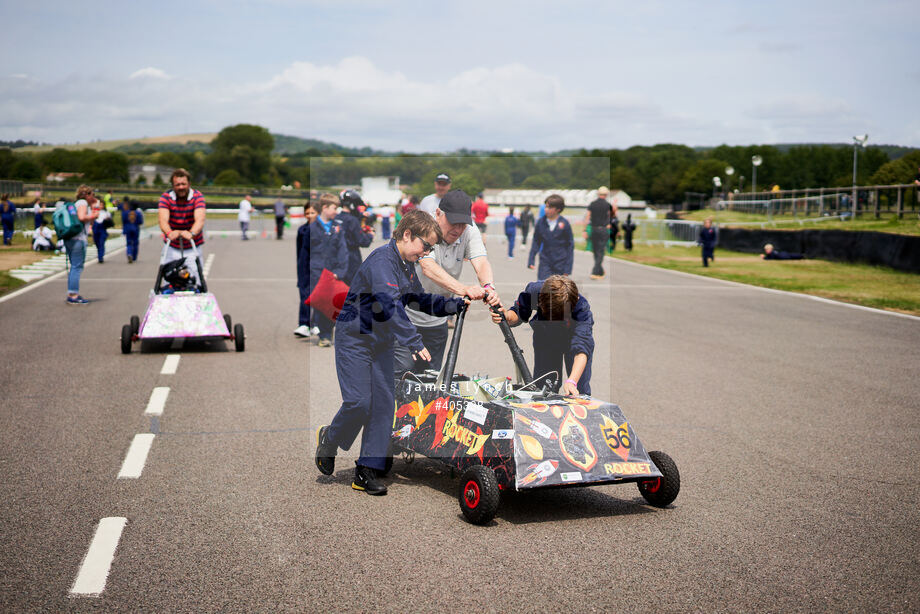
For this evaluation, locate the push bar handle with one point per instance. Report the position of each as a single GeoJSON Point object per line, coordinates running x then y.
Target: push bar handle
{"type": "Point", "coordinates": [517, 355]}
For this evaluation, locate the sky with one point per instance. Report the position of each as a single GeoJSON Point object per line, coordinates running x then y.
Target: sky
{"type": "Point", "coordinates": [420, 76]}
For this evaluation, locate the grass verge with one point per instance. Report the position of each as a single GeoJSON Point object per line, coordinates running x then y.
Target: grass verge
{"type": "Point", "coordinates": [860, 284]}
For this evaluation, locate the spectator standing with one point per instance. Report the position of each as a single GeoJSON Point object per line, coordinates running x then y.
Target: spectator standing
{"type": "Point", "coordinates": [356, 236]}
{"type": "Point", "coordinates": [406, 208]}
{"type": "Point", "coordinates": [598, 216]}
{"type": "Point", "coordinates": [245, 215]}
{"type": "Point", "coordinates": [439, 272]}
{"type": "Point", "coordinates": [386, 213]}
{"type": "Point", "coordinates": [7, 218]}
{"type": "Point", "coordinates": [181, 216]}
{"type": "Point", "coordinates": [302, 249]}
{"type": "Point", "coordinates": [526, 223]}
{"type": "Point", "coordinates": [511, 224]}
{"type": "Point", "coordinates": [37, 211]}
{"type": "Point", "coordinates": [109, 202]}
{"type": "Point", "coordinates": [124, 208]}
{"type": "Point", "coordinates": [42, 237]}
{"type": "Point", "coordinates": [430, 203]}
{"type": "Point", "coordinates": [131, 227]}
{"type": "Point", "coordinates": [628, 228]}
{"type": "Point", "coordinates": [707, 240]}
{"type": "Point", "coordinates": [481, 214]}
{"type": "Point", "coordinates": [553, 240]}
{"type": "Point", "coordinates": [280, 215]}
{"type": "Point", "coordinates": [101, 229]}
{"type": "Point", "coordinates": [76, 245]}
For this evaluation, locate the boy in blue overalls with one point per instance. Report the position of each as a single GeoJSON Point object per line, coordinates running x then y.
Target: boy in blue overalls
{"type": "Point", "coordinates": [511, 224]}
{"type": "Point", "coordinates": [707, 240]}
{"type": "Point", "coordinates": [372, 320]}
{"type": "Point", "coordinates": [327, 251]}
{"type": "Point", "coordinates": [131, 224]}
{"type": "Point", "coordinates": [302, 249]}
{"type": "Point", "coordinates": [553, 240]}
{"type": "Point", "coordinates": [562, 325]}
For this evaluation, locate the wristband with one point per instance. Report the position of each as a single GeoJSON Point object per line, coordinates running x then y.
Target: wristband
{"type": "Point", "coordinates": [571, 381]}
{"type": "Point", "coordinates": [488, 286]}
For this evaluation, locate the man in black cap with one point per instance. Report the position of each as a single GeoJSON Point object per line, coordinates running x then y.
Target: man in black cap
{"type": "Point", "coordinates": [429, 204]}
{"type": "Point", "coordinates": [439, 273]}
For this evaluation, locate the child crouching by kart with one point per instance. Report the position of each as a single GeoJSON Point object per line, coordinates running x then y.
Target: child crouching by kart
{"type": "Point", "coordinates": [372, 319]}
{"type": "Point", "coordinates": [562, 325]}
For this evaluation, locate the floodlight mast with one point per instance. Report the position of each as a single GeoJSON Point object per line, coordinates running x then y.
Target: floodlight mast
{"type": "Point", "coordinates": [755, 162]}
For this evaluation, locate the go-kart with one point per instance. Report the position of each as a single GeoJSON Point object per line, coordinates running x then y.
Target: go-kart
{"type": "Point", "coordinates": [518, 436]}
{"type": "Point", "coordinates": [181, 307]}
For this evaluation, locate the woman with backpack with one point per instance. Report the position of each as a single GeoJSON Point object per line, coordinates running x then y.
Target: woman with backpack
{"type": "Point", "coordinates": [76, 245]}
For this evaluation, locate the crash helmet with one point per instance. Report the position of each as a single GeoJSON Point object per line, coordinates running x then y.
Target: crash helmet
{"type": "Point", "coordinates": [351, 199]}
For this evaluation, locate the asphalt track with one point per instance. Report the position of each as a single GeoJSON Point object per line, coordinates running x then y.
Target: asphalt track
{"type": "Point", "coordinates": [794, 423]}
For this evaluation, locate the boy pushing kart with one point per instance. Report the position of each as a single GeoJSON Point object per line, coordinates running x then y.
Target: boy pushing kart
{"type": "Point", "coordinates": [372, 319]}
{"type": "Point", "coordinates": [562, 325]}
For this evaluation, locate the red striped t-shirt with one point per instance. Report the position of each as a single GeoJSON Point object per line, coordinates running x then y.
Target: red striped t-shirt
{"type": "Point", "coordinates": [182, 213]}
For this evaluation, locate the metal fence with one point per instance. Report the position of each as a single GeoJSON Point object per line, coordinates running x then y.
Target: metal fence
{"type": "Point", "coordinates": [876, 200]}
{"type": "Point", "coordinates": [666, 232]}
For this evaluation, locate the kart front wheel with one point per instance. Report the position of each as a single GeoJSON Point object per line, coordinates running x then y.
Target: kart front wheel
{"type": "Point", "coordinates": [135, 325]}
{"type": "Point", "coordinates": [479, 495]}
{"type": "Point", "coordinates": [239, 338]}
{"type": "Point", "coordinates": [228, 322]}
{"type": "Point", "coordinates": [660, 492]}
{"type": "Point", "coordinates": [126, 334]}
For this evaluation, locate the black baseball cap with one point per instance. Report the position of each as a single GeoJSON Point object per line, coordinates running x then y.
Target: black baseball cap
{"type": "Point", "coordinates": [442, 178]}
{"type": "Point", "coordinates": [456, 205]}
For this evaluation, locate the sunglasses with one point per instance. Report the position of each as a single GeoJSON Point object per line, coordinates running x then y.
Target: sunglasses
{"type": "Point", "coordinates": [425, 244]}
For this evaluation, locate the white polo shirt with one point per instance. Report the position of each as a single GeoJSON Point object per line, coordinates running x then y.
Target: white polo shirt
{"type": "Point", "coordinates": [450, 257]}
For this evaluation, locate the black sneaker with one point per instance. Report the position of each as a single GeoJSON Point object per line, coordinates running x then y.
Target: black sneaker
{"type": "Point", "coordinates": [325, 452]}
{"type": "Point", "coordinates": [366, 479]}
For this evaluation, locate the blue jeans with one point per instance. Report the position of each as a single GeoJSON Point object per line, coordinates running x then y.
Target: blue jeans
{"type": "Point", "coordinates": [76, 254]}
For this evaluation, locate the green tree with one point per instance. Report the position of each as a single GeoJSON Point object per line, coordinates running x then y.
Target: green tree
{"type": "Point", "coordinates": [106, 166]}
{"type": "Point", "coordinates": [698, 178]}
{"type": "Point", "coordinates": [228, 177]}
{"type": "Point", "coordinates": [467, 183]}
{"type": "Point", "coordinates": [900, 171]}
{"type": "Point", "coordinates": [244, 148]}
{"type": "Point", "coordinates": [26, 169]}
{"type": "Point", "coordinates": [7, 159]}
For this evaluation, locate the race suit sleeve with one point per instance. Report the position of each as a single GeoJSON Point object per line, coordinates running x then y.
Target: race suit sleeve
{"type": "Point", "coordinates": [569, 242]}
{"type": "Point", "coordinates": [391, 311]}
{"type": "Point", "coordinates": [338, 251]}
{"type": "Point", "coordinates": [583, 333]}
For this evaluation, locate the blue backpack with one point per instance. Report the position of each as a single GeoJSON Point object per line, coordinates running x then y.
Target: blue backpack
{"type": "Point", "coordinates": [66, 223]}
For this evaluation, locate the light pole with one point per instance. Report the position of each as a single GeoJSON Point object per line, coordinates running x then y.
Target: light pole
{"type": "Point", "coordinates": [858, 141]}
{"type": "Point", "coordinates": [755, 162]}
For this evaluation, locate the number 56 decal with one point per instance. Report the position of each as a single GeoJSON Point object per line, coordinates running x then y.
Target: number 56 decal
{"type": "Point", "coordinates": [617, 437]}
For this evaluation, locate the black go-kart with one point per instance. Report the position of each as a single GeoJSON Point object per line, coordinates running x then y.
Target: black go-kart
{"type": "Point", "coordinates": [503, 436]}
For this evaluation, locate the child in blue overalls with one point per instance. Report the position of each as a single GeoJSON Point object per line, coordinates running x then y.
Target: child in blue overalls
{"type": "Point", "coordinates": [302, 249]}
{"type": "Point", "coordinates": [132, 222]}
{"type": "Point", "coordinates": [553, 240]}
{"type": "Point", "coordinates": [707, 239]}
{"type": "Point", "coordinates": [562, 325]}
{"type": "Point", "coordinates": [327, 251]}
{"type": "Point", "coordinates": [372, 321]}
{"type": "Point", "coordinates": [7, 218]}
{"type": "Point", "coordinates": [511, 224]}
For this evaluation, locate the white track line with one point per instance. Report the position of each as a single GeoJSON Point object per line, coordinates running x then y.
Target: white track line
{"type": "Point", "coordinates": [94, 571]}
{"type": "Point", "coordinates": [170, 365]}
{"type": "Point", "coordinates": [157, 401]}
{"type": "Point", "coordinates": [137, 456]}
{"type": "Point", "coordinates": [207, 265]}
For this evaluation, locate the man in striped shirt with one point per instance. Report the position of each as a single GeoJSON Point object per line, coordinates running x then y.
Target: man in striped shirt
{"type": "Point", "coordinates": [182, 214]}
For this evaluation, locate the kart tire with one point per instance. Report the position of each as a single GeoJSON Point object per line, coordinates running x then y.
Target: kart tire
{"type": "Point", "coordinates": [126, 335]}
{"type": "Point", "coordinates": [239, 338]}
{"type": "Point", "coordinates": [478, 494]}
{"type": "Point", "coordinates": [228, 322]}
{"type": "Point", "coordinates": [660, 492]}
{"type": "Point", "coordinates": [135, 325]}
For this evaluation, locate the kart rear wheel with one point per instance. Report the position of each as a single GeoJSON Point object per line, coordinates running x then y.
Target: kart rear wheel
{"type": "Point", "coordinates": [660, 492]}
{"type": "Point", "coordinates": [228, 322]}
{"type": "Point", "coordinates": [479, 495]}
{"type": "Point", "coordinates": [135, 325]}
{"type": "Point", "coordinates": [239, 338]}
{"type": "Point", "coordinates": [126, 334]}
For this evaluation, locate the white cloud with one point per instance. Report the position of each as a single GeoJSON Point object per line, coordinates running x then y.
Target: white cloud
{"type": "Point", "coordinates": [149, 73]}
